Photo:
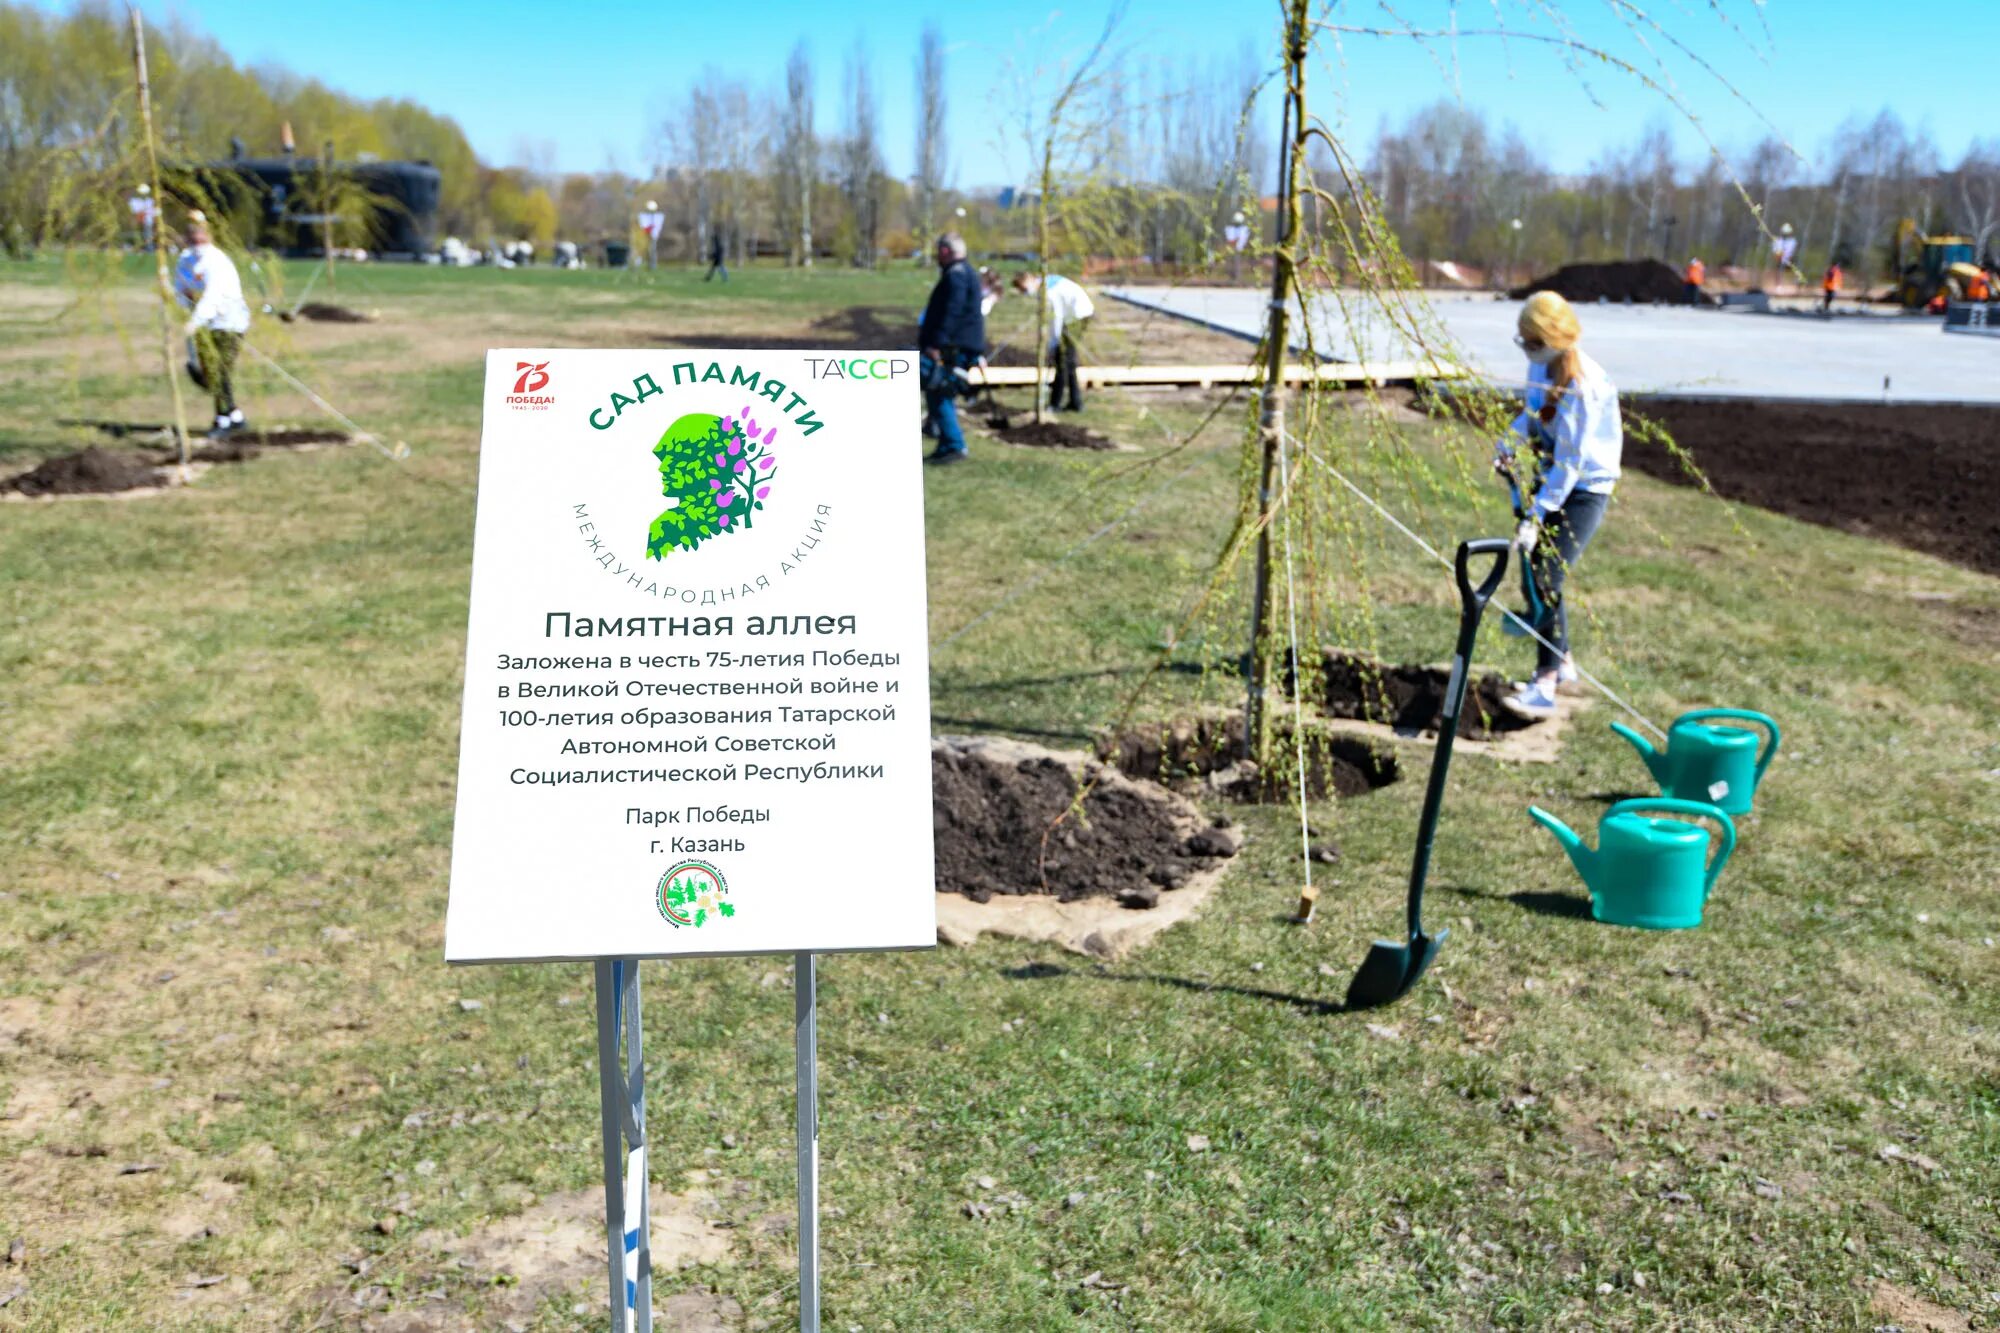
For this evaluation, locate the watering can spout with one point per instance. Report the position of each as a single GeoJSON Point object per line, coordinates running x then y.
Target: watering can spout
{"type": "Point", "coordinates": [1582, 857]}
{"type": "Point", "coordinates": [1656, 759]}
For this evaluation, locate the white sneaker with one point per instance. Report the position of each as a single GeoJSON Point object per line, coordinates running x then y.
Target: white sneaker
{"type": "Point", "coordinates": [1566, 673]}
{"type": "Point", "coordinates": [1533, 701]}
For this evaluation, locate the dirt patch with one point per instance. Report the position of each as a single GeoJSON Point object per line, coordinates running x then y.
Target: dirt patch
{"type": "Point", "coordinates": [1045, 434]}
{"type": "Point", "coordinates": [1912, 1313]}
{"type": "Point", "coordinates": [556, 1248]}
{"type": "Point", "coordinates": [320, 312]}
{"type": "Point", "coordinates": [1410, 697]}
{"type": "Point", "coordinates": [1004, 827]}
{"type": "Point", "coordinates": [92, 471]}
{"type": "Point", "coordinates": [860, 328]}
{"type": "Point", "coordinates": [1920, 476]}
{"type": "Point", "coordinates": [1643, 281]}
{"type": "Point", "coordinates": [1207, 754]}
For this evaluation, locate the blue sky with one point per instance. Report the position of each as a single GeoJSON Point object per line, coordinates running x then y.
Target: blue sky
{"type": "Point", "coordinates": [591, 80]}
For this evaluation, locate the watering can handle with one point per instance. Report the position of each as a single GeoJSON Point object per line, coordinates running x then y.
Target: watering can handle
{"type": "Point", "coordinates": [1475, 599]}
{"type": "Point", "coordinates": [1696, 809]}
{"type": "Point", "coordinates": [1741, 715]}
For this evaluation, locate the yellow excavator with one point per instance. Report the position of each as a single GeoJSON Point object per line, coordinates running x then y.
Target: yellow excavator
{"type": "Point", "coordinates": [1933, 266]}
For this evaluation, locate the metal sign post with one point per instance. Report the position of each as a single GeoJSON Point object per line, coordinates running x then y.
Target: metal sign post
{"type": "Point", "coordinates": [622, 1088]}
{"type": "Point", "coordinates": [805, 1022]}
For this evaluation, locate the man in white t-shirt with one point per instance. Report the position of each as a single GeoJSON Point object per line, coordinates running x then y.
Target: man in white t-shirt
{"type": "Point", "coordinates": [651, 220]}
{"type": "Point", "coordinates": [206, 281]}
{"type": "Point", "coordinates": [1069, 312]}
{"type": "Point", "coordinates": [145, 212]}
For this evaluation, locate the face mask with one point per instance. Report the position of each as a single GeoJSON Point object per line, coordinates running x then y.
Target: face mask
{"type": "Point", "coordinates": [1545, 356]}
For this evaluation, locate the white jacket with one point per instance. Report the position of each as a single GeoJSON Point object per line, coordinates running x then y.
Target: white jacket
{"type": "Point", "coordinates": [1067, 302]}
{"type": "Point", "coordinates": [1588, 432]}
{"type": "Point", "coordinates": [206, 278]}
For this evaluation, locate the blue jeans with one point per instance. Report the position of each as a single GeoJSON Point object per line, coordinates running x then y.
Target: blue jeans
{"type": "Point", "coordinates": [1569, 532]}
{"type": "Point", "coordinates": [940, 388]}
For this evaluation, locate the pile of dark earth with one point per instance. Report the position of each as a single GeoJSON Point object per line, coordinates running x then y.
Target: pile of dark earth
{"type": "Point", "coordinates": [100, 471]}
{"type": "Point", "coordinates": [1410, 697]}
{"type": "Point", "coordinates": [1048, 433]}
{"type": "Point", "coordinates": [1921, 475]}
{"type": "Point", "coordinates": [1007, 828]}
{"type": "Point", "coordinates": [93, 471]}
{"type": "Point", "coordinates": [1639, 281]}
{"type": "Point", "coordinates": [323, 313]}
{"type": "Point", "coordinates": [1207, 755]}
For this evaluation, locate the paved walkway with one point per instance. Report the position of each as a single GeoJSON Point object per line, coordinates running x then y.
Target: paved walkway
{"type": "Point", "coordinates": [1652, 349]}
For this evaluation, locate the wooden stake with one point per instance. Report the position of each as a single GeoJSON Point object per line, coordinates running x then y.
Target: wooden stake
{"type": "Point", "coordinates": [1308, 899]}
{"type": "Point", "coordinates": [159, 241]}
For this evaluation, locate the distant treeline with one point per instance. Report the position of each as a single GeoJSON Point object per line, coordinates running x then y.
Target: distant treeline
{"type": "Point", "coordinates": [1452, 186]}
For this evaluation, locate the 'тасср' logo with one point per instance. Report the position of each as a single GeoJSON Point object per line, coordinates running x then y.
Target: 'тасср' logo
{"type": "Point", "coordinates": [693, 893]}
{"type": "Point", "coordinates": [530, 378]}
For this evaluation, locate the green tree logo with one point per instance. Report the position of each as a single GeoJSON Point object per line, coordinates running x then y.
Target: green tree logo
{"type": "Point", "coordinates": [693, 893]}
{"type": "Point", "coordinates": [717, 471]}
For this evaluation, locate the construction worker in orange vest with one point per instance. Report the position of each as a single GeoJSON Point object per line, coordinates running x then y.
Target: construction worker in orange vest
{"type": "Point", "coordinates": [1829, 287]}
{"type": "Point", "coordinates": [1694, 275]}
{"type": "Point", "coordinates": [1978, 288]}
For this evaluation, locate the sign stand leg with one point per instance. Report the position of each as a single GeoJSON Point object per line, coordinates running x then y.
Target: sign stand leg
{"type": "Point", "coordinates": [622, 1091]}
{"type": "Point", "coordinates": [806, 1028]}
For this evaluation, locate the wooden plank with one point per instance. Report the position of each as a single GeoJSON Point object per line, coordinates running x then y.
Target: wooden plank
{"type": "Point", "coordinates": [1336, 372]}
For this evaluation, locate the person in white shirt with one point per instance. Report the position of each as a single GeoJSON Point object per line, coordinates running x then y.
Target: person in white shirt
{"type": "Point", "coordinates": [145, 212]}
{"type": "Point", "coordinates": [1572, 422]}
{"type": "Point", "coordinates": [207, 283]}
{"type": "Point", "coordinates": [1070, 309]}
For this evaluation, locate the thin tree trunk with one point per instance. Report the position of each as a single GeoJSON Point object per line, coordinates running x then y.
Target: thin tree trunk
{"type": "Point", "coordinates": [159, 240]}
{"type": "Point", "coordinates": [1271, 424]}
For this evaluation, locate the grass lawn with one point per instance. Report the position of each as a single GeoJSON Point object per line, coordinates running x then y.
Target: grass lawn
{"type": "Point", "coordinates": [228, 733]}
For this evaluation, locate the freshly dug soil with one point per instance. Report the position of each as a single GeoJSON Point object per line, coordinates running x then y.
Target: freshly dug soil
{"type": "Point", "coordinates": [1410, 697]}
{"type": "Point", "coordinates": [1645, 281]}
{"type": "Point", "coordinates": [322, 313]}
{"type": "Point", "coordinates": [1046, 434]}
{"type": "Point", "coordinates": [1923, 477]}
{"type": "Point", "coordinates": [92, 471]}
{"type": "Point", "coordinates": [1132, 840]}
{"type": "Point", "coordinates": [1208, 754]}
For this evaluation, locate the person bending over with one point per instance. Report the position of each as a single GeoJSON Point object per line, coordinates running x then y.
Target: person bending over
{"type": "Point", "coordinates": [1069, 312]}
{"type": "Point", "coordinates": [1572, 417]}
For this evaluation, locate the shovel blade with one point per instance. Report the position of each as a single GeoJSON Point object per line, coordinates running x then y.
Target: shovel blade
{"type": "Point", "coordinates": [1391, 969]}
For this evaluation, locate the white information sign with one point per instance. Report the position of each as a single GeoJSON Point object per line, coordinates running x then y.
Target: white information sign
{"type": "Point", "coordinates": [697, 712]}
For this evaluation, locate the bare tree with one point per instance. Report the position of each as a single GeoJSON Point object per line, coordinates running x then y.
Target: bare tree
{"type": "Point", "coordinates": [861, 159]}
{"type": "Point", "coordinates": [798, 158]}
{"type": "Point", "coordinates": [933, 167]}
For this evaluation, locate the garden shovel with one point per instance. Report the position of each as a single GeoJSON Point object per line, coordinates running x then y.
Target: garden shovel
{"type": "Point", "coordinates": [1393, 967]}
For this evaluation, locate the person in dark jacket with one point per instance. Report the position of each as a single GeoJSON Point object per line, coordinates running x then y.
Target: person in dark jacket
{"type": "Point", "coordinates": [716, 255]}
{"type": "Point", "coordinates": [951, 337]}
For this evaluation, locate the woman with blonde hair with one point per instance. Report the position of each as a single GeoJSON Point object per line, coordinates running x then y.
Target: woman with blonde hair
{"type": "Point", "coordinates": [1573, 425]}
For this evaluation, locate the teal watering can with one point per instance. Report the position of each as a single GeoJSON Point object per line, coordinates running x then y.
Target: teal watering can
{"type": "Point", "coordinates": [1646, 871]}
{"type": "Point", "coordinates": [1703, 762]}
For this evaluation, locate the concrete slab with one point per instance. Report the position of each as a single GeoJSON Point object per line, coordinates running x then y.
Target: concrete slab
{"type": "Point", "coordinates": [1647, 349]}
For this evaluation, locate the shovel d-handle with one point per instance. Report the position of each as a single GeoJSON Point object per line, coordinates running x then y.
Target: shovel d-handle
{"type": "Point", "coordinates": [1768, 723]}
{"type": "Point", "coordinates": [1673, 805]}
{"type": "Point", "coordinates": [1474, 599]}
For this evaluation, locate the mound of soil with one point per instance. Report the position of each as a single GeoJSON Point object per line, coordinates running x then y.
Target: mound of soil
{"type": "Point", "coordinates": [1922, 477]}
{"type": "Point", "coordinates": [1410, 697]}
{"type": "Point", "coordinates": [288, 439]}
{"type": "Point", "coordinates": [1045, 434]}
{"type": "Point", "coordinates": [998, 813]}
{"type": "Point", "coordinates": [1643, 281]}
{"type": "Point", "coordinates": [322, 313]}
{"type": "Point", "coordinates": [1208, 754]}
{"type": "Point", "coordinates": [92, 471]}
